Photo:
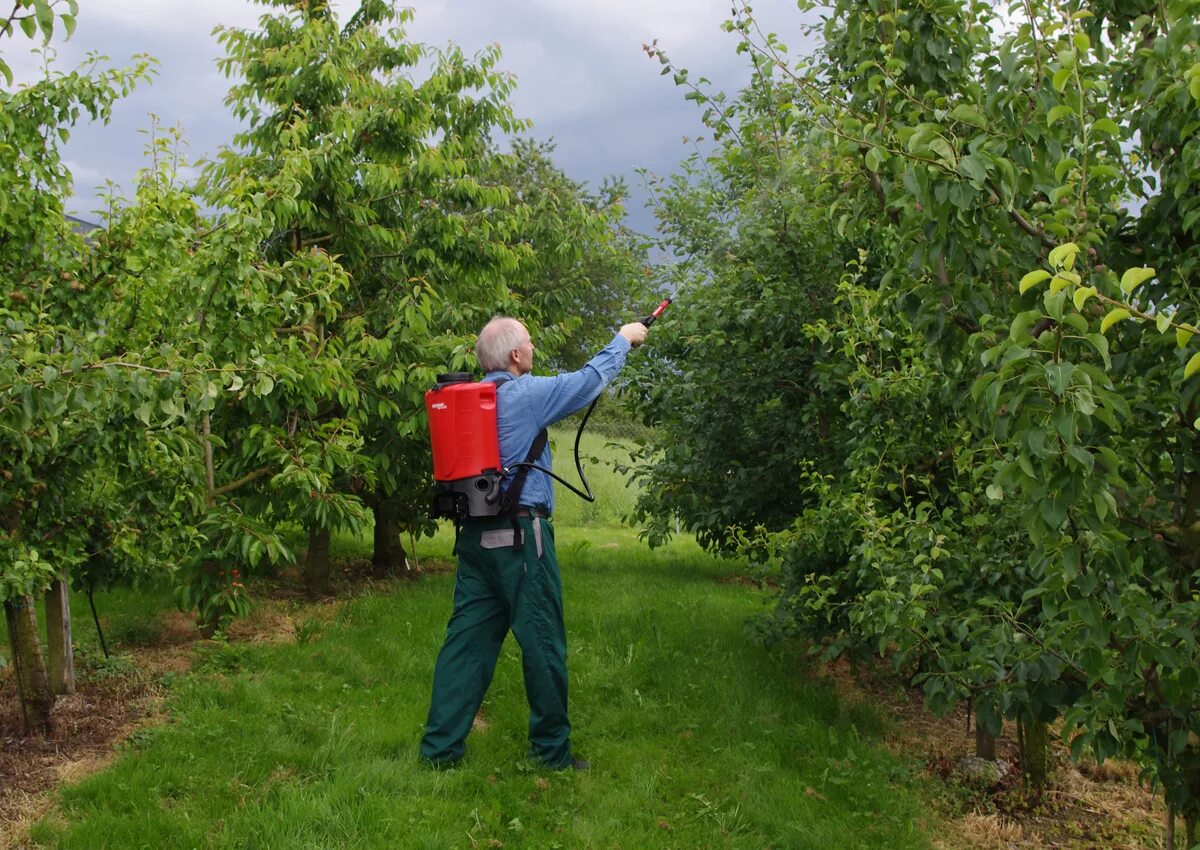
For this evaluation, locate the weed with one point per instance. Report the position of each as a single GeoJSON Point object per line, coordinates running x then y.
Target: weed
{"type": "Point", "coordinates": [92, 666]}
{"type": "Point", "coordinates": [308, 630]}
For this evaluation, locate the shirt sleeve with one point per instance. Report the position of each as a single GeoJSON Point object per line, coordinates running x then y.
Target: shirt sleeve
{"type": "Point", "coordinates": [554, 398]}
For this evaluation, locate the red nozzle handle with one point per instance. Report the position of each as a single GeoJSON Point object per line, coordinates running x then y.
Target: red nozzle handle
{"type": "Point", "coordinates": [658, 311]}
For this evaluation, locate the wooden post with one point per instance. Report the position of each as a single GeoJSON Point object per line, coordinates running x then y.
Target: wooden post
{"type": "Point", "coordinates": [59, 651]}
{"type": "Point", "coordinates": [33, 685]}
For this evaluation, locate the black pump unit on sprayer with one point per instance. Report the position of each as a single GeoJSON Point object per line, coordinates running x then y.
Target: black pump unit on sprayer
{"type": "Point", "coordinates": [466, 448]}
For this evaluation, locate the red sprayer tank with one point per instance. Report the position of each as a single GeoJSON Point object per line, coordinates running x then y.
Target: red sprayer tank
{"type": "Point", "coordinates": [462, 428]}
{"type": "Point", "coordinates": [466, 448]}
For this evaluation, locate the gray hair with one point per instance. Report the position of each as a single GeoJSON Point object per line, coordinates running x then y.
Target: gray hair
{"type": "Point", "coordinates": [496, 342]}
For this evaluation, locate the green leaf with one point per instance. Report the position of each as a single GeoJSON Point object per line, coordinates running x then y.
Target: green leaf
{"type": "Point", "coordinates": [1182, 337]}
{"type": "Point", "coordinates": [1058, 113]}
{"type": "Point", "coordinates": [1059, 81]}
{"type": "Point", "coordinates": [1108, 126]}
{"type": "Point", "coordinates": [873, 159]}
{"type": "Point", "coordinates": [980, 384]}
{"type": "Point", "coordinates": [1082, 294]}
{"type": "Point", "coordinates": [1059, 283]}
{"type": "Point", "coordinates": [1059, 376]}
{"type": "Point", "coordinates": [29, 25]}
{"type": "Point", "coordinates": [1032, 279]}
{"type": "Point", "coordinates": [1053, 302]}
{"type": "Point", "coordinates": [1135, 277]}
{"type": "Point", "coordinates": [1082, 456]}
{"type": "Point", "coordinates": [942, 148]}
{"type": "Point", "coordinates": [974, 169]}
{"type": "Point", "coordinates": [68, 24]}
{"type": "Point", "coordinates": [45, 17]}
{"type": "Point", "coordinates": [1082, 42]}
{"type": "Point", "coordinates": [1100, 343]}
{"type": "Point", "coordinates": [1163, 322]}
{"type": "Point", "coordinates": [7, 72]}
{"type": "Point", "coordinates": [968, 115]}
{"type": "Point", "coordinates": [1071, 561]}
{"type": "Point", "coordinates": [1063, 257]}
{"type": "Point", "coordinates": [994, 492]}
{"type": "Point", "coordinates": [1064, 166]}
{"type": "Point", "coordinates": [1192, 366]}
{"type": "Point", "coordinates": [1114, 316]}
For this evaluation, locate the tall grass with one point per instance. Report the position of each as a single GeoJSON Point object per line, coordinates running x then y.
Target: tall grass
{"type": "Point", "coordinates": [598, 454]}
{"type": "Point", "coordinates": [699, 738]}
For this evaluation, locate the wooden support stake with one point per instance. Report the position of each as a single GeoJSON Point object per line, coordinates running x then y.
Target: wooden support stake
{"type": "Point", "coordinates": [59, 649]}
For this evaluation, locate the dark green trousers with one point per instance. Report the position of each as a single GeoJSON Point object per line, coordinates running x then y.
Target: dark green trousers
{"type": "Point", "coordinates": [498, 589]}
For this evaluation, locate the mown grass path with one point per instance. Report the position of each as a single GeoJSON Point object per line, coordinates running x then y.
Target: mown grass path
{"type": "Point", "coordinates": [699, 737]}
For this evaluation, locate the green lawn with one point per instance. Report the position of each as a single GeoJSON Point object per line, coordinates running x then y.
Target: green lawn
{"type": "Point", "coordinates": [698, 736]}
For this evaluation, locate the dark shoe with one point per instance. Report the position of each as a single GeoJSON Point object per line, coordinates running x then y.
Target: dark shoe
{"type": "Point", "coordinates": [580, 764]}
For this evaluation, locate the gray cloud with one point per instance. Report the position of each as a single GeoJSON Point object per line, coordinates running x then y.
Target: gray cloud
{"type": "Point", "coordinates": [582, 77]}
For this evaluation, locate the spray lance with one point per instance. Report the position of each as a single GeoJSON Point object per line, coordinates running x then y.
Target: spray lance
{"type": "Point", "coordinates": [466, 448]}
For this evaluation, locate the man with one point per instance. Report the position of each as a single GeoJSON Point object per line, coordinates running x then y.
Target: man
{"type": "Point", "coordinates": [507, 582]}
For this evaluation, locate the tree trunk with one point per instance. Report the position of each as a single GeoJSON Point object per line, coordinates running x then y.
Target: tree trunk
{"type": "Point", "coordinates": [317, 567]}
{"type": "Point", "coordinates": [1035, 753]}
{"type": "Point", "coordinates": [389, 557]}
{"type": "Point", "coordinates": [33, 684]}
{"type": "Point", "coordinates": [208, 621]}
{"type": "Point", "coordinates": [985, 743]}
{"type": "Point", "coordinates": [59, 651]}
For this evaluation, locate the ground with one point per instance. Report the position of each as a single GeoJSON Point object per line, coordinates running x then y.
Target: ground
{"type": "Point", "coordinates": [1088, 807]}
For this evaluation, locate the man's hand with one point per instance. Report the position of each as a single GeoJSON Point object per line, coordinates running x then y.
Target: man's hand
{"type": "Point", "coordinates": [635, 332]}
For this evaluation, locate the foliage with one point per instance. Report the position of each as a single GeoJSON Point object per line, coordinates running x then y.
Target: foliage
{"type": "Point", "coordinates": [1014, 510]}
{"type": "Point", "coordinates": [433, 229]}
{"type": "Point", "coordinates": [736, 379]}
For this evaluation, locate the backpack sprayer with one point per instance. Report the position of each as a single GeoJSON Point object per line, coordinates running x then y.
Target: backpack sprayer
{"type": "Point", "coordinates": [466, 448]}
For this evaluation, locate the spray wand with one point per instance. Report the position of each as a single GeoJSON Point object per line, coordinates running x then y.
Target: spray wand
{"type": "Point", "coordinates": [588, 496]}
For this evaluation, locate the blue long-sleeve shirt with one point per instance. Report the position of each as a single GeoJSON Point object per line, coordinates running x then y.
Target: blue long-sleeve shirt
{"type": "Point", "coordinates": [526, 405]}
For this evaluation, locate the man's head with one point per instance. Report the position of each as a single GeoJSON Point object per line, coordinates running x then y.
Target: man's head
{"type": "Point", "coordinates": [504, 346]}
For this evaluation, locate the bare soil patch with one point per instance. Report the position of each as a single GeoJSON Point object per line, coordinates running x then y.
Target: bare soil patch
{"type": "Point", "coordinates": [1088, 806]}
{"type": "Point", "coordinates": [87, 726]}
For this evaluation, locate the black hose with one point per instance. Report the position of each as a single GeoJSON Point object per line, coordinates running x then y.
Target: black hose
{"type": "Point", "coordinates": [589, 496]}
{"type": "Point", "coordinates": [96, 618]}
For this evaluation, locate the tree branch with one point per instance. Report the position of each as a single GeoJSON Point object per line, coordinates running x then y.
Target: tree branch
{"type": "Point", "coordinates": [245, 479]}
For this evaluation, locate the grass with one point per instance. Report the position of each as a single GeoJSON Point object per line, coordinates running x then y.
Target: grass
{"type": "Point", "coordinates": [698, 737]}
{"type": "Point", "coordinates": [614, 497]}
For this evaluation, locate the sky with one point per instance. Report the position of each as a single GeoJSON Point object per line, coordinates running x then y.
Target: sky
{"type": "Point", "coordinates": [582, 77]}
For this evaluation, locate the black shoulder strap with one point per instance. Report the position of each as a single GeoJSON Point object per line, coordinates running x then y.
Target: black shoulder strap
{"type": "Point", "coordinates": [512, 496]}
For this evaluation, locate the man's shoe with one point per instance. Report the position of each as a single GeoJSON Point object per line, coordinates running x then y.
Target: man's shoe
{"type": "Point", "coordinates": [580, 764]}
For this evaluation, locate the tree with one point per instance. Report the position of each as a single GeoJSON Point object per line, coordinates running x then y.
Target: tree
{"type": "Point", "coordinates": [58, 391]}
{"type": "Point", "coordinates": [435, 230]}
{"type": "Point", "coordinates": [1012, 517]}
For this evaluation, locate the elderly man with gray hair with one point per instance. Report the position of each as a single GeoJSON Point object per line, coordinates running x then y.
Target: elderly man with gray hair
{"type": "Point", "coordinates": [508, 577]}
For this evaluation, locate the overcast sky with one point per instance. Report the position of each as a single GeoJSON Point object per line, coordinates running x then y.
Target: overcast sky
{"type": "Point", "coordinates": [582, 77]}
